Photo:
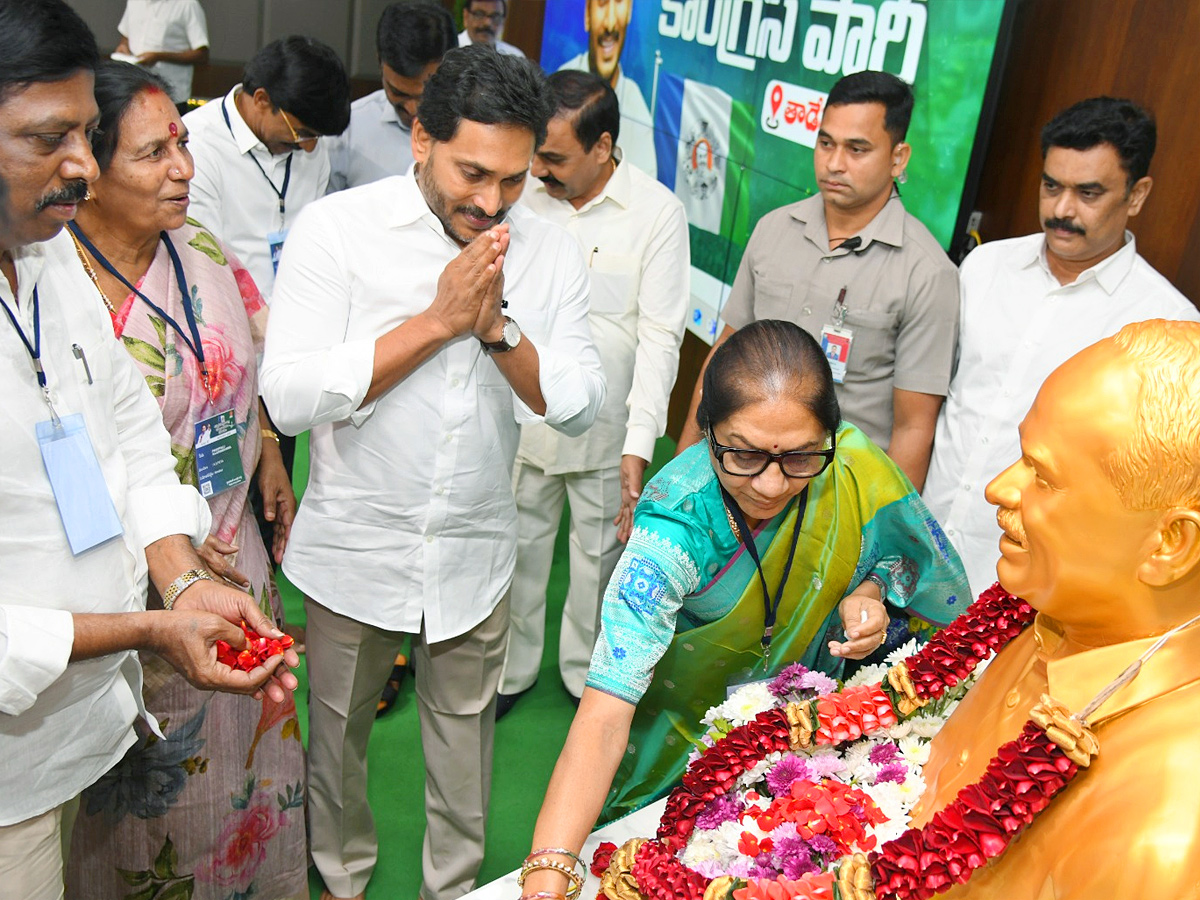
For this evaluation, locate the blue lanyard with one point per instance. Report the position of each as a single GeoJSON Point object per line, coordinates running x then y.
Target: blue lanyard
{"type": "Point", "coordinates": [287, 169]}
{"type": "Point", "coordinates": [194, 343]}
{"type": "Point", "coordinates": [770, 610]}
{"type": "Point", "coordinates": [34, 348]}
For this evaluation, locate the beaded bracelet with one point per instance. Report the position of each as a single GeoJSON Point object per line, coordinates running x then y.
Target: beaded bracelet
{"type": "Point", "coordinates": [574, 877]}
{"type": "Point", "coordinates": [563, 851]}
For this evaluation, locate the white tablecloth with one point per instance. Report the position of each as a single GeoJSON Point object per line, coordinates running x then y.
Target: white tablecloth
{"type": "Point", "coordinates": [643, 823]}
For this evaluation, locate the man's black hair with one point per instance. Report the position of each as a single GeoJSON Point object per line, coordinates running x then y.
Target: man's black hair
{"type": "Point", "coordinates": [503, 6]}
{"type": "Point", "coordinates": [592, 101]}
{"type": "Point", "coordinates": [479, 84]}
{"type": "Point", "coordinates": [1106, 120]}
{"type": "Point", "coordinates": [42, 40]}
{"type": "Point", "coordinates": [412, 35]}
{"type": "Point", "coordinates": [306, 79]}
{"type": "Point", "coordinates": [877, 87]}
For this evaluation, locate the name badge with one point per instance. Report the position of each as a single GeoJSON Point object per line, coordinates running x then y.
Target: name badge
{"type": "Point", "coordinates": [218, 459]}
{"type": "Point", "coordinates": [275, 240]}
{"type": "Point", "coordinates": [84, 503]}
{"type": "Point", "coordinates": [836, 343]}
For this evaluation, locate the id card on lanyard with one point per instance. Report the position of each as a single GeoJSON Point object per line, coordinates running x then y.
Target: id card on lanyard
{"type": "Point", "coordinates": [218, 469]}
{"type": "Point", "coordinates": [837, 340]}
{"type": "Point", "coordinates": [85, 506]}
{"type": "Point", "coordinates": [275, 239]}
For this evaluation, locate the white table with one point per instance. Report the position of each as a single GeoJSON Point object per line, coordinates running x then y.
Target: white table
{"type": "Point", "coordinates": [643, 823]}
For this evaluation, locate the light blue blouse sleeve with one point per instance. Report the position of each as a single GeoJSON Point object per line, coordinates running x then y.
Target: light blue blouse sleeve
{"type": "Point", "coordinates": [659, 567]}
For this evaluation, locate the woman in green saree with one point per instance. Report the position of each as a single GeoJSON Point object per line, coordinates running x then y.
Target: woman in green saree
{"type": "Point", "coordinates": [785, 536]}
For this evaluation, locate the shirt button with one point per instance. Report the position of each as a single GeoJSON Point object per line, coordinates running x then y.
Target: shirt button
{"type": "Point", "coordinates": [454, 382]}
{"type": "Point", "coordinates": [1012, 699]}
{"type": "Point", "coordinates": [983, 440]}
{"type": "Point", "coordinates": [449, 438]}
{"type": "Point", "coordinates": [429, 538]}
{"type": "Point", "coordinates": [440, 490]}
{"type": "Point", "coordinates": [807, 311]}
{"type": "Point", "coordinates": [951, 532]}
{"type": "Point", "coordinates": [827, 259]}
{"type": "Point", "coordinates": [967, 488]}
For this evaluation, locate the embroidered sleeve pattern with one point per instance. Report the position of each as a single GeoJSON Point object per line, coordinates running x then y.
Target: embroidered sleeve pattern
{"type": "Point", "coordinates": [640, 608]}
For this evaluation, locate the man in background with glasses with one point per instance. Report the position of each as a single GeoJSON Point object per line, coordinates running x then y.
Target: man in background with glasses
{"type": "Point", "coordinates": [484, 24]}
{"type": "Point", "coordinates": [258, 154]}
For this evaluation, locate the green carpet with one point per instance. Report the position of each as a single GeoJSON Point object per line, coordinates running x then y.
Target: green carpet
{"type": "Point", "coordinates": [527, 744]}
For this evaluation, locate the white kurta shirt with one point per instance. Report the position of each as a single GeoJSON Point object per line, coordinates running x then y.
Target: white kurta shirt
{"type": "Point", "coordinates": [1017, 325]}
{"type": "Point", "coordinates": [637, 124]}
{"type": "Point", "coordinates": [171, 25]}
{"type": "Point", "coordinates": [374, 145]}
{"type": "Point", "coordinates": [409, 512]}
{"type": "Point", "coordinates": [63, 726]}
{"type": "Point", "coordinates": [464, 40]}
{"type": "Point", "coordinates": [232, 198]}
{"type": "Point", "coordinates": [634, 238]}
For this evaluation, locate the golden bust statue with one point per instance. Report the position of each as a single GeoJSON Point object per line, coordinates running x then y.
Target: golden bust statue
{"type": "Point", "coordinates": [1101, 521]}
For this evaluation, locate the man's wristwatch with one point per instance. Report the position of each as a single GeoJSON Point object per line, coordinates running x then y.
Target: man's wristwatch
{"type": "Point", "coordinates": [510, 337]}
{"type": "Point", "coordinates": [181, 584]}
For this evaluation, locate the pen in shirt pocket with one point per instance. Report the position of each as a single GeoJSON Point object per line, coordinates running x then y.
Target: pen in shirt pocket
{"type": "Point", "coordinates": [82, 357]}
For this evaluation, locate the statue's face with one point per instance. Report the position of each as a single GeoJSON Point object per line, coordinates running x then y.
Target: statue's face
{"type": "Point", "coordinates": [1070, 547]}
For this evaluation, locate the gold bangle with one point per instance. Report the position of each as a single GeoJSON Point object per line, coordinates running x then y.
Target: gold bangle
{"type": "Point", "coordinates": [268, 433]}
{"type": "Point", "coordinates": [574, 877]}
{"type": "Point", "coordinates": [557, 851]}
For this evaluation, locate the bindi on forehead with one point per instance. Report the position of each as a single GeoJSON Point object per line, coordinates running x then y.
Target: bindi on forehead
{"type": "Point", "coordinates": [174, 129]}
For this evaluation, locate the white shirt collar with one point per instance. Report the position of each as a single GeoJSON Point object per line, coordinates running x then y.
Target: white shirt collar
{"type": "Point", "coordinates": [1108, 273]}
{"type": "Point", "coordinates": [245, 139]}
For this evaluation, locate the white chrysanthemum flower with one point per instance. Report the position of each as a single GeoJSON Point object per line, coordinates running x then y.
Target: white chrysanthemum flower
{"type": "Point", "coordinates": [888, 798]}
{"type": "Point", "coordinates": [912, 788]}
{"type": "Point", "coordinates": [927, 726]}
{"type": "Point", "coordinates": [867, 675]}
{"type": "Point", "coordinates": [725, 837]}
{"type": "Point", "coordinates": [901, 653]}
{"type": "Point", "coordinates": [915, 750]}
{"type": "Point", "coordinates": [899, 730]}
{"type": "Point", "coordinates": [748, 702]}
{"type": "Point", "coordinates": [855, 756]}
{"type": "Point", "coordinates": [702, 848]}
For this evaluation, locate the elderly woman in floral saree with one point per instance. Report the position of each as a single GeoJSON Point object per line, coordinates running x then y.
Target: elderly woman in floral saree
{"type": "Point", "coordinates": [214, 806]}
{"type": "Point", "coordinates": [786, 536]}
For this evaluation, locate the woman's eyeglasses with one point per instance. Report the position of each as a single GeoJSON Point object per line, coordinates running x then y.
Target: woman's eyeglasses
{"type": "Point", "coordinates": [794, 464]}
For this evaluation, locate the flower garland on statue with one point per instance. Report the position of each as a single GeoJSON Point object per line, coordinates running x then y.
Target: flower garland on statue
{"type": "Point", "coordinates": [835, 822]}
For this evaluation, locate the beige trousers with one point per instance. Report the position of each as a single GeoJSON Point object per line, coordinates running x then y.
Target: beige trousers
{"type": "Point", "coordinates": [595, 499]}
{"type": "Point", "coordinates": [348, 663]}
{"type": "Point", "coordinates": [32, 854]}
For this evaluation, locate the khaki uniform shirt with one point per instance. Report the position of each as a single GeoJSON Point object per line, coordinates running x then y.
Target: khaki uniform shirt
{"type": "Point", "coordinates": [901, 301]}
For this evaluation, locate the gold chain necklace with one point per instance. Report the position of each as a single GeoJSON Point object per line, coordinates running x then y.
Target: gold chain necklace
{"type": "Point", "coordinates": [87, 267]}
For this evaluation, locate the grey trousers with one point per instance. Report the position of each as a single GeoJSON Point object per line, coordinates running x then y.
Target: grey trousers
{"type": "Point", "coordinates": [348, 663]}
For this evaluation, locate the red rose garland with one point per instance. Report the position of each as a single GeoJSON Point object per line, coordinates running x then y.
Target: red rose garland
{"type": "Point", "coordinates": [976, 826]}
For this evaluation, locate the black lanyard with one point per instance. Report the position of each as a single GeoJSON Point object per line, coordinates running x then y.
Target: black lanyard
{"type": "Point", "coordinates": [34, 348]}
{"type": "Point", "coordinates": [193, 343]}
{"type": "Point", "coordinates": [770, 610]}
{"type": "Point", "coordinates": [287, 169]}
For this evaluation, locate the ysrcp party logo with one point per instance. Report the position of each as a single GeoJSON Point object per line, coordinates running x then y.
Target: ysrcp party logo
{"type": "Point", "coordinates": [700, 154]}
